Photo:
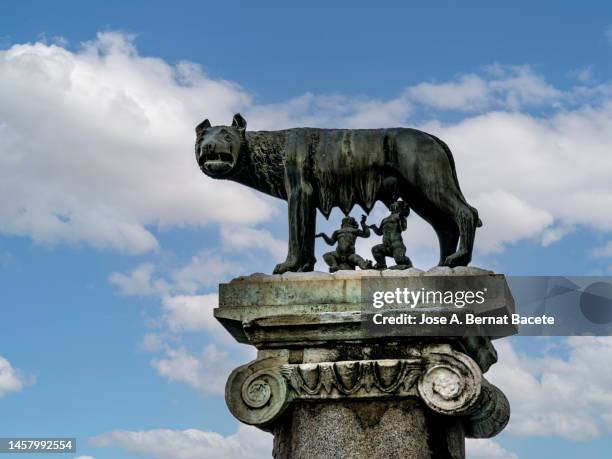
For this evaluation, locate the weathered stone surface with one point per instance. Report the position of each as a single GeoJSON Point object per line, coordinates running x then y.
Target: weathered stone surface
{"type": "Point", "coordinates": [457, 271]}
{"type": "Point", "coordinates": [307, 276]}
{"type": "Point", "coordinates": [402, 273]}
{"type": "Point", "coordinates": [438, 271]}
{"type": "Point", "coordinates": [469, 271]}
{"type": "Point", "coordinates": [273, 312]}
{"type": "Point", "coordinates": [358, 274]}
{"type": "Point", "coordinates": [258, 277]}
{"type": "Point", "coordinates": [365, 429]}
{"type": "Point", "coordinates": [348, 274]}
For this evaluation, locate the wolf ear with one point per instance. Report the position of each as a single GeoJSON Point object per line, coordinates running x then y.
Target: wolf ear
{"type": "Point", "coordinates": [239, 122]}
{"type": "Point", "coordinates": [202, 126]}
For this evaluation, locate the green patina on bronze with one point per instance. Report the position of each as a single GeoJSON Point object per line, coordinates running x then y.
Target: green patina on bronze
{"type": "Point", "coordinates": [325, 168]}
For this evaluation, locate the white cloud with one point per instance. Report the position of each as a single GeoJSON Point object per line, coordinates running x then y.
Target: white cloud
{"type": "Point", "coordinates": [505, 87]}
{"type": "Point", "coordinates": [11, 379]}
{"type": "Point", "coordinates": [528, 174]}
{"type": "Point", "coordinates": [205, 269]}
{"type": "Point", "coordinates": [245, 238]}
{"type": "Point", "coordinates": [97, 145]}
{"type": "Point", "coordinates": [468, 94]}
{"type": "Point", "coordinates": [139, 281]}
{"type": "Point", "coordinates": [183, 311]}
{"type": "Point", "coordinates": [246, 443]}
{"type": "Point", "coordinates": [207, 372]}
{"type": "Point", "coordinates": [326, 110]}
{"type": "Point", "coordinates": [567, 397]}
{"type": "Point", "coordinates": [555, 233]}
{"type": "Point", "coordinates": [84, 457]}
{"type": "Point", "coordinates": [191, 312]}
{"type": "Point", "coordinates": [509, 219]}
{"type": "Point", "coordinates": [486, 449]}
{"type": "Point", "coordinates": [519, 86]}
{"type": "Point", "coordinates": [153, 342]}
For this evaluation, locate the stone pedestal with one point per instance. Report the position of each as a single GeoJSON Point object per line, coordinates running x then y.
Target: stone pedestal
{"type": "Point", "coordinates": [326, 388]}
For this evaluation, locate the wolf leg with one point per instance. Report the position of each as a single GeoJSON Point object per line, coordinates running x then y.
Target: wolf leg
{"type": "Point", "coordinates": [302, 220]}
{"type": "Point", "coordinates": [448, 237]}
{"type": "Point", "coordinates": [466, 222]}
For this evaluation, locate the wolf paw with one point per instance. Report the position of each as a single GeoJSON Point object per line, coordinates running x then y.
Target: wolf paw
{"type": "Point", "coordinates": [460, 258]}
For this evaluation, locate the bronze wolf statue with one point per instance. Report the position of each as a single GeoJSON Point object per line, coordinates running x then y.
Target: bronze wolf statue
{"type": "Point", "coordinates": [324, 168]}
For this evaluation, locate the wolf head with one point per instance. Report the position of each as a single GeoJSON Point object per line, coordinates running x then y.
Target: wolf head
{"type": "Point", "coordinates": [217, 148]}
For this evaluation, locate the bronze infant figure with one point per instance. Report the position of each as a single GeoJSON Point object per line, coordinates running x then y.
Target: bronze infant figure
{"type": "Point", "coordinates": [390, 229]}
{"type": "Point", "coordinates": [344, 257]}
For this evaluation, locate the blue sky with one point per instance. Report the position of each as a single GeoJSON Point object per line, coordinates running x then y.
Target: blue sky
{"type": "Point", "coordinates": [112, 242]}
